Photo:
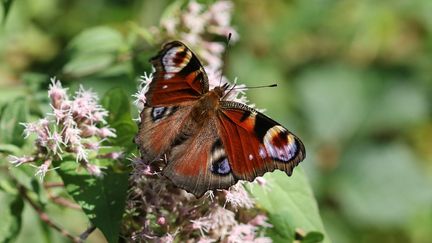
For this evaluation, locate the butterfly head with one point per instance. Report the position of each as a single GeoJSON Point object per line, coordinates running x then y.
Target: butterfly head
{"type": "Point", "coordinates": [220, 91]}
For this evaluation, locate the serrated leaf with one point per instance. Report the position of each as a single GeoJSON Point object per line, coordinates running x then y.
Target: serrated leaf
{"type": "Point", "coordinates": [10, 215]}
{"type": "Point", "coordinates": [116, 101]}
{"type": "Point", "coordinates": [290, 204]}
{"type": "Point", "coordinates": [11, 132]}
{"type": "Point", "coordinates": [101, 198]}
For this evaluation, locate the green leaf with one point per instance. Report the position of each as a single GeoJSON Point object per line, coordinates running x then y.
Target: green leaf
{"type": "Point", "coordinates": [85, 65]}
{"type": "Point", "coordinates": [313, 237]}
{"type": "Point", "coordinates": [11, 132]}
{"type": "Point", "coordinates": [366, 185]}
{"type": "Point", "coordinates": [116, 101]}
{"type": "Point", "coordinates": [10, 215]}
{"type": "Point", "coordinates": [96, 40]}
{"type": "Point", "coordinates": [102, 199]}
{"type": "Point", "coordinates": [290, 204]}
{"type": "Point", "coordinates": [344, 84]}
{"type": "Point", "coordinates": [9, 149]}
{"type": "Point", "coordinates": [6, 7]}
{"type": "Point", "coordinates": [93, 51]}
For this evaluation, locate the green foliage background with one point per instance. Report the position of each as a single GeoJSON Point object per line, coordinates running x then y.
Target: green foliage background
{"type": "Point", "coordinates": [355, 83]}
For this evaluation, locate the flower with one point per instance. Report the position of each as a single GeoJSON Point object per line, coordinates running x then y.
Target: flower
{"type": "Point", "coordinates": [75, 126]}
{"type": "Point", "coordinates": [140, 98]}
{"type": "Point", "coordinates": [43, 169]}
{"type": "Point", "coordinates": [57, 93]}
{"type": "Point", "coordinates": [17, 161]}
{"type": "Point", "coordinates": [260, 220]}
{"type": "Point", "coordinates": [237, 196]}
{"type": "Point", "coordinates": [199, 25]}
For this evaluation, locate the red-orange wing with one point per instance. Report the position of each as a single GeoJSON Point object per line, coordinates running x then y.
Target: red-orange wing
{"type": "Point", "coordinates": [179, 76]}
{"type": "Point", "coordinates": [255, 143]}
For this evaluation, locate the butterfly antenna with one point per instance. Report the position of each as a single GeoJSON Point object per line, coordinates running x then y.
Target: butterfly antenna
{"type": "Point", "coordinates": [229, 91]}
{"type": "Point", "coordinates": [227, 41]}
{"type": "Point", "coordinates": [256, 87]}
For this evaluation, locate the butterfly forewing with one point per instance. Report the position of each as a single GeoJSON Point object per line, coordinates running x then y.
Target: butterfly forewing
{"type": "Point", "coordinates": [255, 143]}
{"type": "Point", "coordinates": [179, 76]}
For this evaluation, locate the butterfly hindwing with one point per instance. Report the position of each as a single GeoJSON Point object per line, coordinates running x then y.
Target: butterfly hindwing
{"type": "Point", "coordinates": [160, 127]}
{"type": "Point", "coordinates": [255, 143]}
{"type": "Point", "coordinates": [179, 76]}
{"type": "Point", "coordinates": [199, 163]}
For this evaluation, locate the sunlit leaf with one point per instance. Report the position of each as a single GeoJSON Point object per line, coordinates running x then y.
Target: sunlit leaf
{"type": "Point", "coordinates": [290, 204]}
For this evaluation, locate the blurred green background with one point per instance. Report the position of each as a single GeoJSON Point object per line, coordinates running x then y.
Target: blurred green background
{"type": "Point", "coordinates": [355, 83]}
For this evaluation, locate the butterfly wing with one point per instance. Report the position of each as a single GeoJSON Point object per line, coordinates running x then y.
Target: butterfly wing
{"type": "Point", "coordinates": [179, 76]}
{"type": "Point", "coordinates": [198, 161]}
{"type": "Point", "coordinates": [238, 143]}
{"type": "Point", "coordinates": [255, 143]}
{"type": "Point", "coordinates": [159, 128]}
{"type": "Point", "coordinates": [179, 80]}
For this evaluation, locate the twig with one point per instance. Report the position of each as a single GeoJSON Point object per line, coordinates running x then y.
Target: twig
{"type": "Point", "coordinates": [53, 184]}
{"type": "Point", "coordinates": [86, 233]}
{"type": "Point", "coordinates": [57, 199]}
{"type": "Point", "coordinates": [44, 216]}
{"type": "Point", "coordinates": [63, 201]}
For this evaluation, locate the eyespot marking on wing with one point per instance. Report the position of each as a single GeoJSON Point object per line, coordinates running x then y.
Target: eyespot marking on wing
{"type": "Point", "coordinates": [174, 60]}
{"type": "Point", "coordinates": [219, 160]}
{"type": "Point", "coordinates": [221, 167]}
{"type": "Point", "coordinates": [280, 144]}
{"type": "Point", "coordinates": [158, 113]}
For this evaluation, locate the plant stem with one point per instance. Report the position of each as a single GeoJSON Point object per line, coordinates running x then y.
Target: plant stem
{"type": "Point", "coordinates": [44, 216]}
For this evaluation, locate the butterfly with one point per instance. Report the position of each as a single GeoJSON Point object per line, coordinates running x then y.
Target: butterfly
{"type": "Point", "coordinates": [209, 142]}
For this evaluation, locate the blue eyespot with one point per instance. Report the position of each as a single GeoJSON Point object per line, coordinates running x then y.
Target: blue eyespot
{"type": "Point", "coordinates": [221, 166]}
{"type": "Point", "coordinates": [158, 113]}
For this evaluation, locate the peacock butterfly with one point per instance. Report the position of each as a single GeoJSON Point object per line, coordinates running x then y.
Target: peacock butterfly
{"type": "Point", "coordinates": [209, 142]}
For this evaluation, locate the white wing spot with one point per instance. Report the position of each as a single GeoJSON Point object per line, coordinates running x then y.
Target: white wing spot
{"type": "Point", "coordinates": [262, 153]}
{"type": "Point", "coordinates": [250, 157]}
{"type": "Point", "coordinates": [165, 86]}
{"type": "Point", "coordinates": [170, 66]}
{"type": "Point", "coordinates": [168, 75]}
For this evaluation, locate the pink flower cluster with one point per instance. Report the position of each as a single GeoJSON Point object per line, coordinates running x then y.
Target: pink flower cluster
{"type": "Point", "coordinates": [166, 213]}
{"type": "Point", "coordinates": [75, 125]}
{"type": "Point", "coordinates": [200, 26]}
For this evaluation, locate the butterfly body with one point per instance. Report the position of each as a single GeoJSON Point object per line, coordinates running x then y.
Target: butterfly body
{"type": "Point", "coordinates": [209, 142]}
